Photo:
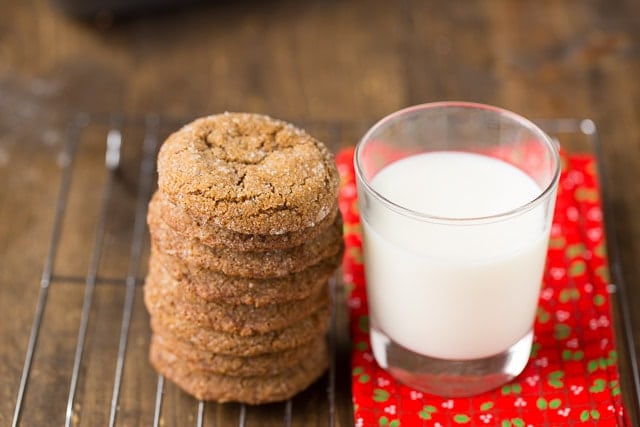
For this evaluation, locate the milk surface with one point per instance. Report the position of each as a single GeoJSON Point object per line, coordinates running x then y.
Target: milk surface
{"type": "Point", "coordinates": [454, 291]}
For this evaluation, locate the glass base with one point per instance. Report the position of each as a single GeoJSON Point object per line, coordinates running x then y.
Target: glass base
{"type": "Point", "coordinates": [450, 378]}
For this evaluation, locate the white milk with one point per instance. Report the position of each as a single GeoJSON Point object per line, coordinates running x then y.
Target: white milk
{"type": "Point", "coordinates": [454, 291]}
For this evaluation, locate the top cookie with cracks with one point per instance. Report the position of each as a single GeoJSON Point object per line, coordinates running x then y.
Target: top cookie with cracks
{"type": "Point", "coordinates": [248, 173]}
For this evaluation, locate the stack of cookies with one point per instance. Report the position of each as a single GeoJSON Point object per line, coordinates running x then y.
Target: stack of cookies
{"type": "Point", "coordinates": [245, 233]}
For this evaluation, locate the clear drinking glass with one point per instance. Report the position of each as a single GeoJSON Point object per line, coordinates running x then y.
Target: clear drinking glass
{"type": "Point", "coordinates": [456, 201]}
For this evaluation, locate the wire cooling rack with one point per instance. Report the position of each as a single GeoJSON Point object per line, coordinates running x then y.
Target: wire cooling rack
{"type": "Point", "coordinates": [118, 184]}
{"type": "Point", "coordinates": [115, 333]}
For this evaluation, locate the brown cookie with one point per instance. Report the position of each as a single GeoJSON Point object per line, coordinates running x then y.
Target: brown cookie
{"type": "Point", "coordinates": [262, 264]}
{"type": "Point", "coordinates": [218, 237]}
{"type": "Point", "coordinates": [248, 173]}
{"type": "Point", "coordinates": [237, 366]}
{"type": "Point", "coordinates": [252, 390]}
{"type": "Point", "coordinates": [212, 286]}
{"type": "Point", "coordinates": [163, 293]}
{"type": "Point", "coordinates": [207, 339]}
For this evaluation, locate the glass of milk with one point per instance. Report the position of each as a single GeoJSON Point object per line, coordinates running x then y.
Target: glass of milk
{"type": "Point", "coordinates": [456, 201]}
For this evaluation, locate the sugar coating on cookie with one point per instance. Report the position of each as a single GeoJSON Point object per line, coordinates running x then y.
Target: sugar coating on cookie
{"type": "Point", "coordinates": [299, 333]}
{"type": "Point", "coordinates": [163, 294]}
{"type": "Point", "coordinates": [259, 264]}
{"type": "Point", "coordinates": [253, 390]}
{"type": "Point", "coordinates": [220, 237]}
{"type": "Point", "coordinates": [248, 173]}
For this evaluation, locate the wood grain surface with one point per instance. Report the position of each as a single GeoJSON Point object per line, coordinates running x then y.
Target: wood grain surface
{"type": "Point", "coordinates": [335, 65]}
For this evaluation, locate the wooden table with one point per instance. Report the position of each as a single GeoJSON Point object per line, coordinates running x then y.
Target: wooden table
{"type": "Point", "coordinates": [334, 66]}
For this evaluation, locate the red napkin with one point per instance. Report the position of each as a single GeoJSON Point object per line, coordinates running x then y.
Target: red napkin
{"type": "Point", "coordinates": [572, 377]}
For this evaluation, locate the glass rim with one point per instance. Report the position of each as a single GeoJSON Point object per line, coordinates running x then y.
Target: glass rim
{"type": "Point", "coordinates": [528, 124]}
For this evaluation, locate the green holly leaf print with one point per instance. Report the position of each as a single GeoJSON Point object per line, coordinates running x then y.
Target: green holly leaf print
{"type": "Point", "coordinates": [535, 348]}
{"type": "Point", "coordinates": [424, 415]}
{"type": "Point", "coordinates": [351, 229]}
{"type": "Point", "coordinates": [577, 268]}
{"type": "Point", "coordinates": [557, 242]}
{"type": "Point", "coordinates": [355, 253]}
{"type": "Point", "coordinates": [601, 250]}
{"type": "Point", "coordinates": [603, 273]}
{"type": "Point", "coordinates": [426, 412]}
{"type": "Point", "coordinates": [516, 422]}
{"type": "Point", "coordinates": [511, 388]}
{"type": "Point", "coordinates": [572, 355]}
{"type": "Point", "coordinates": [555, 403]}
{"type": "Point", "coordinates": [361, 346]}
{"type": "Point", "coordinates": [555, 379]}
{"type": "Point", "coordinates": [461, 419]}
{"type": "Point", "coordinates": [567, 295]}
{"type": "Point", "coordinates": [384, 421]}
{"type": "Point", "coordinates": [615, 387]}
{"type": "Point", "coordinates": [380, 395]}
{"type": "Point", "coordinates": [598, 300]}
{"type": "Point", "coordinates": [362, 377]}
{"type": "Point", "coordinates": [541, 403]}
{"type": "Point", "coordinates": [584, 415]}
{"type": "Point", "coordinates": [486, 406]}
{"type": "Point", "coordinates": [363, 324]}
{"type": "Point", "coordinates": [543, 315]}
{"type": "Point", "coordinates": [355, 208]}
{"type": "Point", "coordinates": [561, 331]}
{"type": "Point", "coordinates": [583, 194]}
{"type": "Point", "coordinates": [598, 386]}
{"type": "Point", "coordinates": [574, 250]}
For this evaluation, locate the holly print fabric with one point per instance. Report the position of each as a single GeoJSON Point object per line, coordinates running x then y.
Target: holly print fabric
{"type": "Point", "coordinates": [572, 377]}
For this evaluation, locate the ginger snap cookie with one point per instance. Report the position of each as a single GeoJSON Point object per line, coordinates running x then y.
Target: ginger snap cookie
{"type": "Point", "coordinates": [213, 286]}
{"type": "Point", "coordinates": [238, 366]}
{"type": "Point", "coordinates": [248, 173]}
{"type": "Point", "coordinates": [245, 235]}
{"type": "Point", "coordinates": [219, 237]}
{"type": "Point", "coordinates": [256, 264]}
{"type": "Point", "coordinates": [207, 385]}
{"type": "Point", "coordinates": [163, 294]}
{"type": "Point", "coordinates": [207, 339]}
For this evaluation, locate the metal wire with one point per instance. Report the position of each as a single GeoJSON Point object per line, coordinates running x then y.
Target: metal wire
{"type": "Point", "coordinates": [145, 185]}
{"type": "Point", "coordinates": [589, 128]}
{"type": "Point", "coordinates": [112, 161]}
{"type": "Point", "coordinates": [331, 388]}
{"type": "Point", "coordinates": [200, 418]}
{"type": "Point", "coordinates": [114, 143]}
{"type": "Point", "coordinates": [158, 402]}
{"type": "Point", "coordinates": [288, 413]}
{"type": "Point", "coordinates": [68, 155]}
{"type": "Point", "coordinates": [242, 421]}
